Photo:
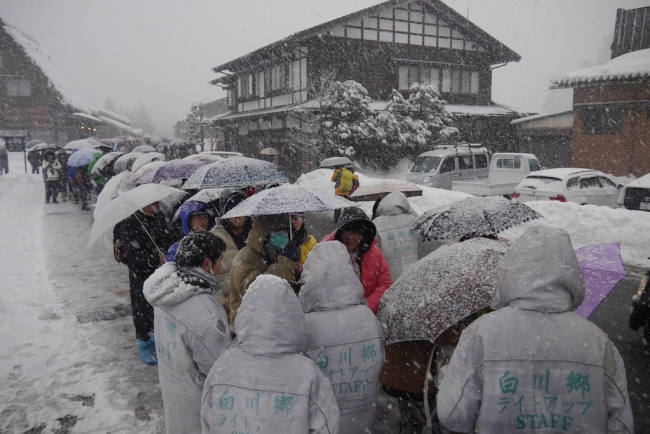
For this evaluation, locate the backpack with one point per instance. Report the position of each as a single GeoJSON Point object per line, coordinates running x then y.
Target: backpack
{"type": "Point", "coordinates": [347, 178]}
{"type": "Point", "coordinates": [79, 176]}
{"type": "Point", "coordinates": [118, 254]}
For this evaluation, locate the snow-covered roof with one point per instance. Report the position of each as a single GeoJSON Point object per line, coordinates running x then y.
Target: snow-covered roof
{"type": "Point", "coordinates": [560, 172]}
{"type": "Point", "coordinates": [546, 116]}
{"type": "Point", "coordinates": [632, 65]}
{"type": "Point", "coordinates": [134, 131]}
{"type": "Point", "coordinates": [45, 63]}
{"type": "Point", "coordinates": [109, 114]}
{"type": "Point", "coordinates": [87, 116]}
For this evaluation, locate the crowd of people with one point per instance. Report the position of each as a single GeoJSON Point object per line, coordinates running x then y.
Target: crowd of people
{"type": "Point", "coordinates": [257, 327]}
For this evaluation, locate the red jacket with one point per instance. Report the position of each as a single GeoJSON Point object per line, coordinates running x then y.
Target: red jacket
{"type": "Point", "coordinates": [375, 275]}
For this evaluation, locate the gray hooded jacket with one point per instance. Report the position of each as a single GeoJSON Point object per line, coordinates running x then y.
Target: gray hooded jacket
{"type": "Point", "coordinates": [397, 239]}
{"type": "Point", "coordinates": [535, 366]}
{"type": "Point", "coordinates": [191, 331]}
{"type": "Point", "coordinates": [262, 384]}
{"type": "Point", "coordinates": [343, 334]}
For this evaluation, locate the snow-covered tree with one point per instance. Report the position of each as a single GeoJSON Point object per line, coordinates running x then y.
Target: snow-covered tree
{"type": "Point", "coordinates": [429, 108]}
{"type": "Point", "coordinates": [345, 124]}
{"type": "Point", "coordinates": [194, 125]}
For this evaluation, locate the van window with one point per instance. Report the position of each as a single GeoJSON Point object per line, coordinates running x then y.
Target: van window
{"type": "Point", "coordinates": [481, 161]}
{"type": "Point", "coordinates": [465, 162]}
{"type": "Point", "coordinates": [425, 164]}
{"type": "Point", "coordinates": [448, 165]}
{"type": "Point", "coordinates": [533, 165]}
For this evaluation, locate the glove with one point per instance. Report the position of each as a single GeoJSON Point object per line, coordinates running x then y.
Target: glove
{"type": "Point", "coordinates": [290, 251]}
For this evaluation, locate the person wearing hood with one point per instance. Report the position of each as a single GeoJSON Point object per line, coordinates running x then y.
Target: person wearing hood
{"type": "Point", "coordinates": [190, 326]}
{"type": "Point", "coordinates": [51, 171]}
{"type": "Point", "coordinates": [195, 217]}
{"type": "Point", "coordinates": [262, 383]}
{"type": "Point", "coordinates": [397, 240]}
{"type": "Point", "coordinates": [234, 232]}
{"type": "Point", "coordinates": [535, 365]}
{"type": "Point", "coordinates": [267, 251]}
{"type": "Point", "coordinates": [300, 237]}
{"type": "Point", "coordinates": [144, 238]}
{"type": "Point", "coordinates": [338, 321]}
{"type": "Point", "coordinates": [357, 233]}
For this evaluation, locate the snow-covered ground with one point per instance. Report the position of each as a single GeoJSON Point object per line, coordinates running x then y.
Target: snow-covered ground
{"type": "Point", "coordinates": [587, 224]}
{"type": "Point", "coordinates": [61, 370]}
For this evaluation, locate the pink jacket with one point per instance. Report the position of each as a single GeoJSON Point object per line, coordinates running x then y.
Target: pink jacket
{"type": "Point", "coordinates": [375, 275]}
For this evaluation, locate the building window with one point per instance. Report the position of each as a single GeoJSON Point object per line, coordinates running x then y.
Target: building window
{"type": "Point", "coordinates": [602, 120]}
{"type": "Point", "coordinates": [411, 24]}
{"type": "Point", "coordinates": [453, 80]}
{"type": "Point", "coordinates": [19, 88]}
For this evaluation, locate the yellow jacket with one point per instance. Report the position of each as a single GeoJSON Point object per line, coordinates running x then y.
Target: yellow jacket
{"type": "Point", "coordinates": [337, 190]}
{"type": "Point", "coordinates": [306, 247]}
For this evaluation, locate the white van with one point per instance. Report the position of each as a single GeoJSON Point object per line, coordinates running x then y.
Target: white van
{"type": "Point", "coordinates": [448, 163]}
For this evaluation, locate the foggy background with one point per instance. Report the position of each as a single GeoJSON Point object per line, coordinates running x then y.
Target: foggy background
{"type": "Point", "coordinates": [160, 53]}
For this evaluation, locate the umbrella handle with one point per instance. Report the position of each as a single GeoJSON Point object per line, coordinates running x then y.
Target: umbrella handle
{"type": "Point", "coordinates": [150, 237]}
{"type": "Point", "coordinates": [427, 412]}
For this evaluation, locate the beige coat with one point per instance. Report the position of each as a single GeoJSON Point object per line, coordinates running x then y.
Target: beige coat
{"type": "Point", "coordinates": [250, 261]}
{"type": "Point", "coordinates": [226, 262]}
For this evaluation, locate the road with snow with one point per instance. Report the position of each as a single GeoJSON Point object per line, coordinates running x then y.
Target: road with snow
{"type": "Point", "coordinates": [68, 360]}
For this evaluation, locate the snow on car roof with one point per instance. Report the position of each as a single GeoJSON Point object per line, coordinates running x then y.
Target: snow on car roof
{"type": "Point", "coordinates": [630, 65]}
{"type": "Point", "coordinates": [643, 182]}
{"type": "Point", "coordinates": [562, 172]}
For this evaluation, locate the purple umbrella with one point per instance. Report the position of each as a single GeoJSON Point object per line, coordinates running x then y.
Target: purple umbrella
{"type": "Point", "coordinates": [162, 146]}
{"type": "Point", "coordinates": [602, 269]}
{"type": "Point", "coordinates": [174, 169]}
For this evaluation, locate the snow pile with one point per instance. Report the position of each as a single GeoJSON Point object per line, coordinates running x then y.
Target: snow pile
{"type": "Point", "coordinates": [586, 224]}
{"type": "Point", "coordinates": [591, 224]}
{"type": "Point", "coordinates": [44, 62]}
{"type": "Point", "coordinates": [630, 65]}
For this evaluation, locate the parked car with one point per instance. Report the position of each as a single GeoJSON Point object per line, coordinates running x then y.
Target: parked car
{"type": "Point", "coordinates": [448, 163]}
{"type": "Point", "coordinates": [636, 195]}
{"type": "Point", "coordinates": [506, 171]}
{"type": "Point", "coordinates": [583, 186]}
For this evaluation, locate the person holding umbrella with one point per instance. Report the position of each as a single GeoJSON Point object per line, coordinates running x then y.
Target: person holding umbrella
{"type": "Point", "coordinates": [144, 238]}
{"type": "Point", "coordinates": [195, 217]}
{"type": "Point", "coordinates": [34, 158]}
{"type": "Point", "coordinates": [534, 364]}
{"type": "Point", "coordinates": [267, 251]}
{"type": "Point", "coordinates": [234, 232]}
{"type": "Point", "coordinates": [355, 230]}
{"type": "Point", "coordinates": [51, 170]}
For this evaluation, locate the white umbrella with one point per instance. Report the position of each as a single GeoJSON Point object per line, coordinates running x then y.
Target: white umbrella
{"type": "Point", "coordinates": [109, 192]}
{"type": "Point", "coordinates": [288, 199]}
{"type": "Point", "coordinates": [127, 203]}
{"type": "Point", "coordinates": [144, 149]}
{"type": "Point", "coordinates": [335, 161]}
{"type": "Point", "coordinates": [153, 165]}
{"type": "Point", "coordinates": [146, 158]}
{"type": "Point", "coordinates": [78, 144]}
{"type": "Point", "coordinates": [121, 162]}
{"type": "Point", "coordinates": [104, 161]}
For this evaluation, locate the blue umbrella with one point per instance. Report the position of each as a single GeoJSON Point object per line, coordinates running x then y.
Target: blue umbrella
{"type": "Point", "coordinates": [235, 172]}
{"type": "Point", "coordinates": [83, 157]}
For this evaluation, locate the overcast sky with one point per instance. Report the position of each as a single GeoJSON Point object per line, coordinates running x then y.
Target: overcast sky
{"type": "Point", "coordinates": [161, 52]}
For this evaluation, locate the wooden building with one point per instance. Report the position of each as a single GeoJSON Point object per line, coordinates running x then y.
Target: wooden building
{"type": "Point", "coordinates": [35, 102]}
{"type": "Point", "coordinates": [611, 103]}
{"type": "Point", "coordinates": [388, 46]}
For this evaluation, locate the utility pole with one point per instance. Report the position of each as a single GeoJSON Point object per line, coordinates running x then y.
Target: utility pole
{"type": "Point", "coordinates": [201, 126]}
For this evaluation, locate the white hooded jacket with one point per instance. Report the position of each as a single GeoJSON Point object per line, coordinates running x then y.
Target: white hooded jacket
{"type": "Point", "coordinates": [535, 366]}
{"type": "Point", "coordinates": [343, 334]}
{"type": "Point", "coordinates": [191, 331]}
{"type": "Point", "coordinates": [262, 384]}
{"type": "Point", "coordinates": [397, 239]}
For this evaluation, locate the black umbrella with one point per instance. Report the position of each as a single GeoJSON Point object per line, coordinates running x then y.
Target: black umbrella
{"type": "Point", "coordinates": [472, 217]}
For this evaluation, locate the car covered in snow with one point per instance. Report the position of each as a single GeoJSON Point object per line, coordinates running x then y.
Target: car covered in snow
{"type": "Point", "coordinates": [448, 163]}
{"type": "Point", "coordinates": [636, 195]}
{"type": "Point", "coordinates": [583, 186]}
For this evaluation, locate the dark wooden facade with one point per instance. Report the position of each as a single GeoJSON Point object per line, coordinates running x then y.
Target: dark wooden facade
{"type": "Point", "coordinates": [385, 47]}
{"type": "Point", "coordinates": [632, 31]}
{"type": "Point", "coordinates": [28, 101]}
